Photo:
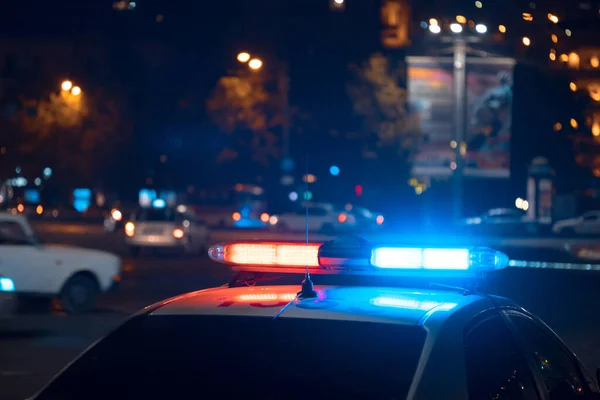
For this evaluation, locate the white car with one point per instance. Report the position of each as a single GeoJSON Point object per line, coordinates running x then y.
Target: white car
{"type": "Point", "coordinates": [7, 297]}
{"type": "Point", "coordinates": [586, 224]}
{"type": "Point", "coordinates": [322, 217]}
{"type": "Point", "coordinates": [166, 228]}
{"type": "Point", "coordinates": [73, 275]}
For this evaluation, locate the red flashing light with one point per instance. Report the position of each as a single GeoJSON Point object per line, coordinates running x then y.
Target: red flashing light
{"type": "Point", "coordinates": [274, 254]}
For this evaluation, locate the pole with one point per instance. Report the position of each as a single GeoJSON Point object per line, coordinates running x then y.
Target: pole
{"type": "Point", "coordinates": [460, 116]}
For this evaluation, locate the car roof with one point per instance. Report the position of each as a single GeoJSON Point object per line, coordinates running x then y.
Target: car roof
{"type": "Point", "coordinates": [6, 216]}
{"type": "Point", "coordinates": [368, 304]}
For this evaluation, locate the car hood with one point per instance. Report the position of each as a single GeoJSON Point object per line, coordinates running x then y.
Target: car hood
{"type": "Point", "coordinates": [78, 252]}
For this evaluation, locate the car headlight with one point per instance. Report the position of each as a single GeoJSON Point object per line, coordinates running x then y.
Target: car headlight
{"type": "Point", "coordinates": [116, 214]}
{"type": "Point", "coordinates": [7, 285]}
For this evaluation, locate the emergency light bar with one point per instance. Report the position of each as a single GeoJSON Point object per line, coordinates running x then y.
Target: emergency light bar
{"type": "Point", "coordinates": [264, 255]}
{"type": "Point", "coordinates": [356, 256]}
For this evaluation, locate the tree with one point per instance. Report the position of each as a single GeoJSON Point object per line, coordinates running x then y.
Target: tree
{"type": "Point", "coordinates": [242, 108]}
{"type": "Point", "coordinates": [379, 99]}
{"type": "Point", "coordinates": [78, 136]}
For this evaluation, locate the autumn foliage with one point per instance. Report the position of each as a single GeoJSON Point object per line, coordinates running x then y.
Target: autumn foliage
{"type": "Point", "coordinates": [243, 109]}
{"type": "Point", "coordinates": [77, 135]}
{"type": "Point", "coordinates": [378, 97]}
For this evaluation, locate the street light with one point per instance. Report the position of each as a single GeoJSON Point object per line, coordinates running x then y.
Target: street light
{"type": "Point", "coordinates": [66, 85]}
{"type": "Point", "coordinates": [456, 28]}
{"type": "Point", "coordinates": [243, 57]}
{"type": "Point", "coordinates": [255, 64]}
{"type": "Point", "coordinates": [480, 28]}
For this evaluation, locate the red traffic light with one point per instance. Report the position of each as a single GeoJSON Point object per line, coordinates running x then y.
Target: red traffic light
{"type": "Point", "coordinates": [358, 189]}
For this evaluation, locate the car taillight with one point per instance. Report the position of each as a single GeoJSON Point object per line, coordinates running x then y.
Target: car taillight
{"type": "Point", "coordinates": [178, 233]}
{"type": "Point", "coordinates": [129, 229]}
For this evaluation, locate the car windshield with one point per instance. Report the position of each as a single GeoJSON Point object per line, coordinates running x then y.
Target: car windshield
{"type": "Point", "coordinates": [245, 357]}
{"type": "Point", "coordinates": [155, 215]}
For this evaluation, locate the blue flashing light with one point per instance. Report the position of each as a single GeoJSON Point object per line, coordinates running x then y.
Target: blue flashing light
{"type": "Point", "coordinates": [451, 259]}
{"type": "Point", "coordinates": [293, 196]}
{"type": "Point", "coordinates": [7, 285]}
{"type": "Point", "coordinates": [159, 203]}
{"type": "Point", "coordinates": [334, 170]}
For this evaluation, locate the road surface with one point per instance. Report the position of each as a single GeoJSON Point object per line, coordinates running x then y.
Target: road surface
{"type": "Point", "coordinates": [38, 343]}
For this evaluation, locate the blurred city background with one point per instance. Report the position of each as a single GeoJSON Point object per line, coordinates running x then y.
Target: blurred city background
{"type": "Point", "coordinates": [114, 98]}
{"type": "Point", "coordinates": [136, 126]}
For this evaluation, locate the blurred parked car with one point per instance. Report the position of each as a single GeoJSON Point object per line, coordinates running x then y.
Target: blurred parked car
{"type": "Point", "coordinates": [114, 220]}
{"type": "Point", "coordinates": [31, 211]}
{"type": "Point", "coordinates": [322, 217]}
{"type": "Point", "coordinates": [586, 224]}
{"type": "Point", "coordinates": [73, 275]}
{"type": "Point", "coordinates": [166, 228]}
{"type": "Point", "coordinates": [366, 220]}
{"type": "Point", "coordinates": [500, 221]}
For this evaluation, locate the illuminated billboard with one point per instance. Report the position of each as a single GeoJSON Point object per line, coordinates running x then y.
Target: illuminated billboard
{"type": "Point", "coordinates": [489, 116]}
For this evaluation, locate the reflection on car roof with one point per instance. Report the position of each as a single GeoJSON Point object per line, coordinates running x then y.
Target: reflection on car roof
{"type": "Point", "coordinates": [374, 304]}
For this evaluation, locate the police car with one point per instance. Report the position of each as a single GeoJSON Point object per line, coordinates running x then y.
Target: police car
{"type": "Point", "coordinates": [374, 340]}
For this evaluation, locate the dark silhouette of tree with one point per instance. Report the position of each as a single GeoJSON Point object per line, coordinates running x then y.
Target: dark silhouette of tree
{"type": "Point", "coordinates": [244, 109]}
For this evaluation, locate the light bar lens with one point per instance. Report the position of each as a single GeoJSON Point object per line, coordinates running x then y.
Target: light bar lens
{"type": "Point", "coordinates": [267, 254]}
{"type": "Point", "coordinates": [437, 258]}
{"type": "Point", "coordinates": [258, 297]}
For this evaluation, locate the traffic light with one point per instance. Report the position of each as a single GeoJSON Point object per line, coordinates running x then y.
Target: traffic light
{"type": "Point", "coordinates": [358, 190]}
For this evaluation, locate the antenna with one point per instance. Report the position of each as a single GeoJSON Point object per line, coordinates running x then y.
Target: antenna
{"type": "Point", "coordinates": [308, 290]}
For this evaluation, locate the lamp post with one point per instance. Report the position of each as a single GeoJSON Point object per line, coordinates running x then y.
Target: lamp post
{"type": "Point", "coordinates": [459, 49]}
{"type": "Point", "coordinates": [283, 82]}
